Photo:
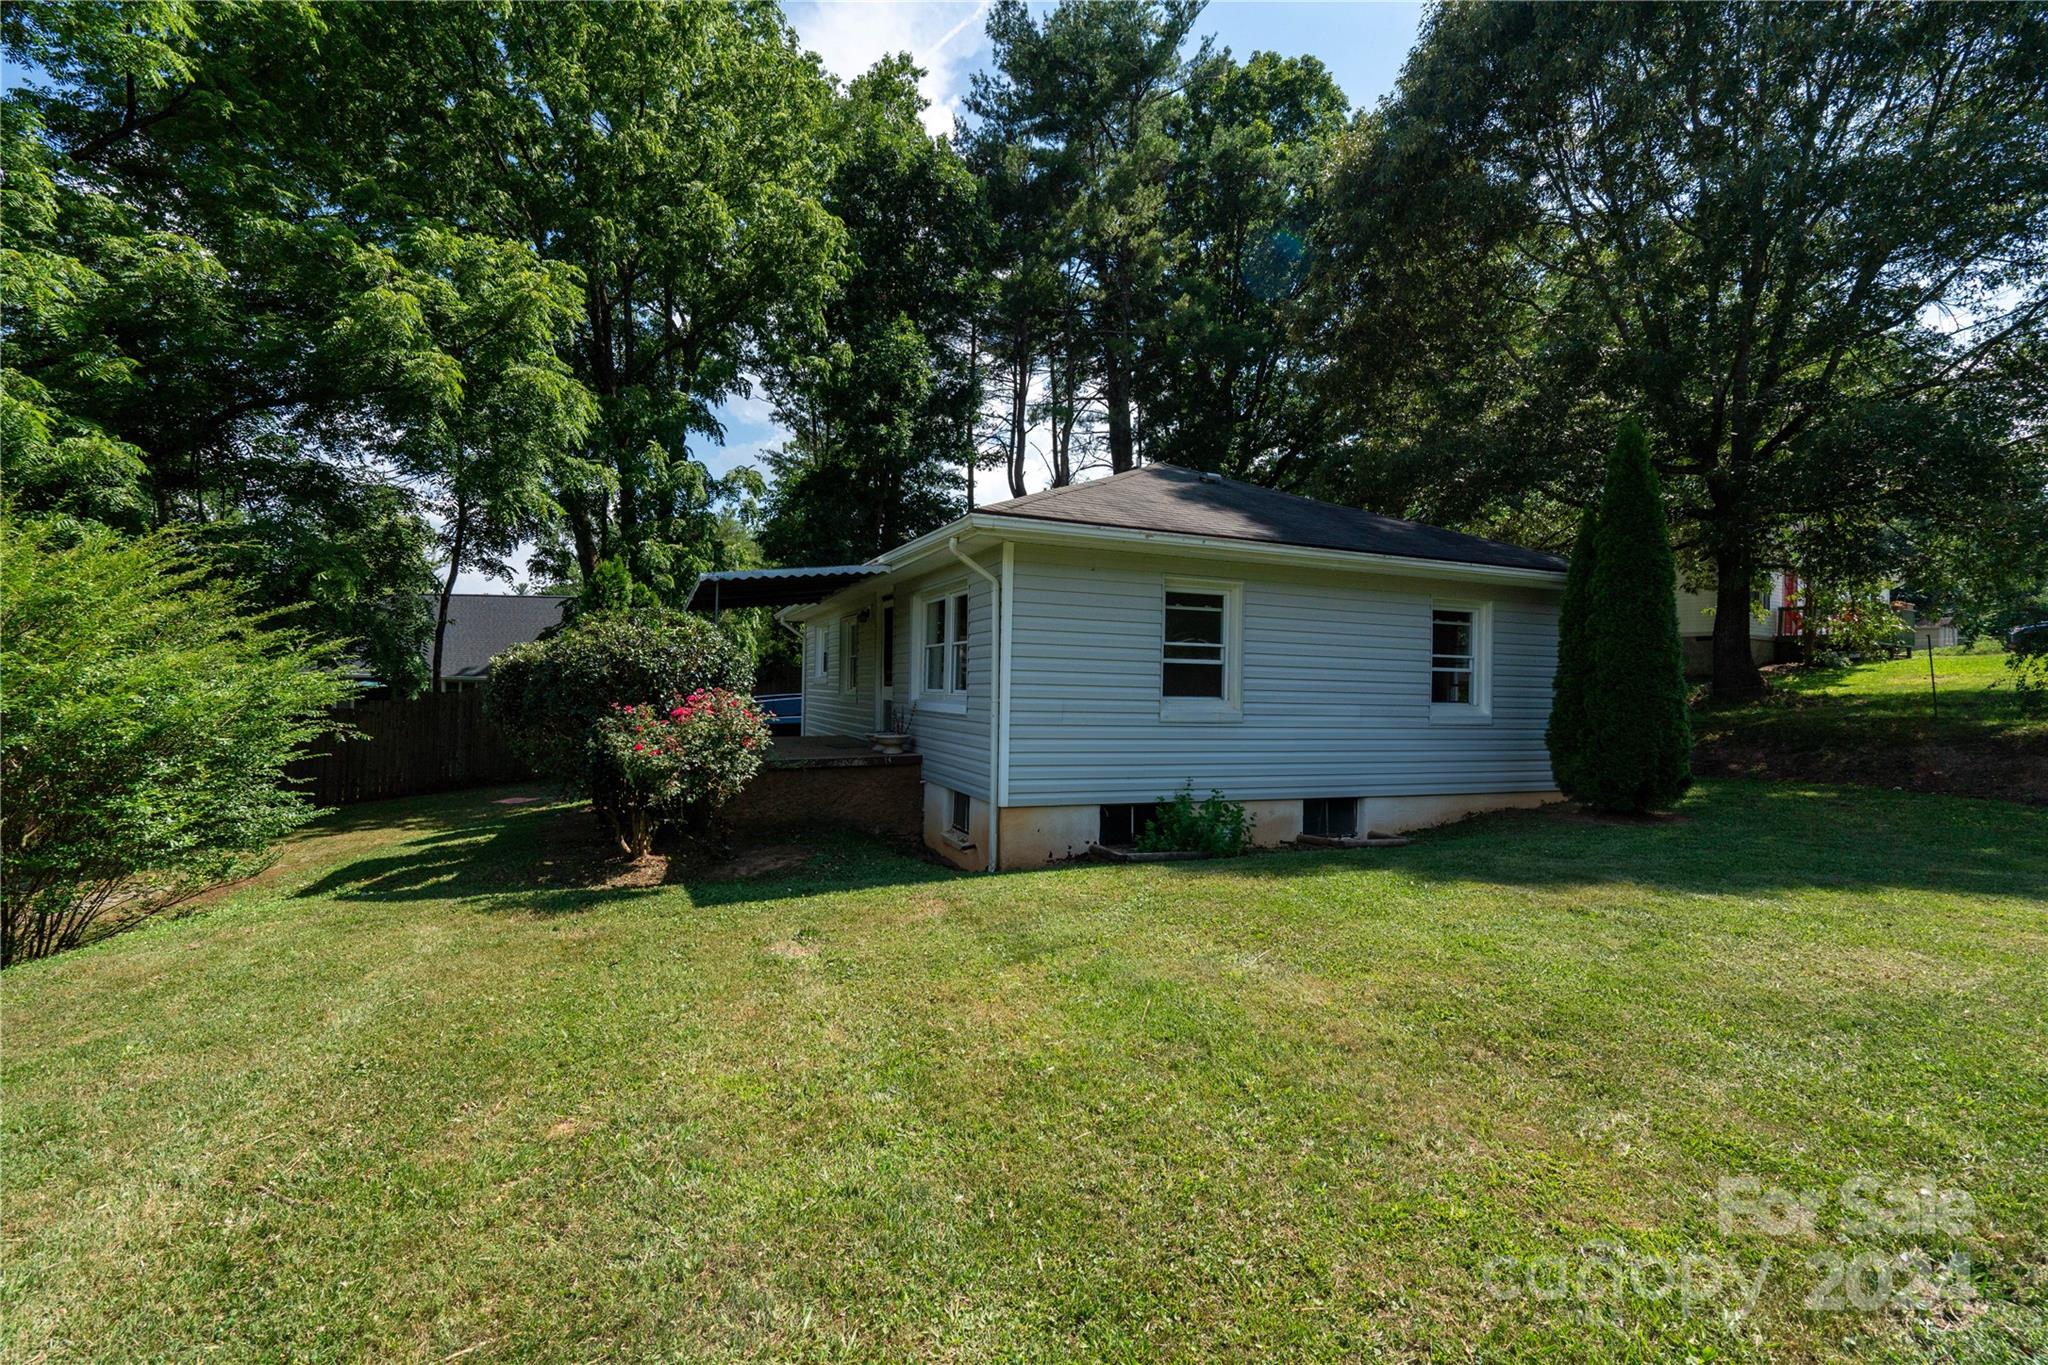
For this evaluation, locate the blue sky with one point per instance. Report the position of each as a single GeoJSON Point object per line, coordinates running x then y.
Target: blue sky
{"type": "Point", "coordinates": [1362, 44]}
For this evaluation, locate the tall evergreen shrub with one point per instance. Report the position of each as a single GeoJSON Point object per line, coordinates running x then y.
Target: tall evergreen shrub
{"type": "Point", "coordinates": [1571, 687]}
{"type": "Point", "coordinates": [1638, 738]}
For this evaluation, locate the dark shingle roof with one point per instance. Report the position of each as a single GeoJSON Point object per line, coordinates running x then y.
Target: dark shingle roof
{"type": "Point", "coordinates": [1164, 497]}
{"type": "Point", "coordinates": [483, 625]}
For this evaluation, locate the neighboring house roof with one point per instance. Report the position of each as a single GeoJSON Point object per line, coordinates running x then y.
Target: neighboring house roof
{"type": "Point", "coordinates": [1167, 498]}
{"type": "Point", "coordinates": [483, 625]}
{"type": "Point", "coordinates": [774, 587]}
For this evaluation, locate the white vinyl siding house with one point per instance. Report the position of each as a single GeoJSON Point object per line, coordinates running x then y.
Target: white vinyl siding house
{"type": "Point", "coordinates": [1336, 690]}
{"type": "Point", "coordinates": [1055, 671]}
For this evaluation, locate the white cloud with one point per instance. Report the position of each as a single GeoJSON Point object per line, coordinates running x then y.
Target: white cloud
{"type": "Point", "coordinates": [945, 37]}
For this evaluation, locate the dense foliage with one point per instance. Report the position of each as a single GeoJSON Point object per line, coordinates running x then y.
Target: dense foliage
{"type": "Point", "coordinates": [485, 284]}
{"type": "Point", "coordinates": [1213, 826]}
{"type": "Point", "coordinates": [554, 696]}
{"type": "Point", "coordinates": [652, 765]}
{"type": "Point", "coordinates": [1809, 245]}
{"type": "Point", "coordinates": [1629, 746]}
{"type": "Point", "coordinates": [148, 717]}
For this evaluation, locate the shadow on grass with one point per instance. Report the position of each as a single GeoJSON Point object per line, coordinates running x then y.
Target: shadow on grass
{"type": "Point", "coordinates": [1734, 837]}
{"type": "Point", "coordinates": [552, 858]}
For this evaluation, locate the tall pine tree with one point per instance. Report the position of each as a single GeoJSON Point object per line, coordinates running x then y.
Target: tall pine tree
{"type": "Point", "coordinates": [1638, 739]}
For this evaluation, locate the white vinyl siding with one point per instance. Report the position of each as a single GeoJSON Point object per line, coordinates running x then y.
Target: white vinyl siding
{"type": "Point", "coordinates": [950, 729]}
{"type": "Point", "coordinates": [839, 696]}
{"type": "Point", "coordinates": [1334, 692]}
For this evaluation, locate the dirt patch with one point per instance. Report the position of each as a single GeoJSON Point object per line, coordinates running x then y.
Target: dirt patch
{"type": "Point", "coordinates": [564, 1129]}
{"type": "Point", "coordinates": [765, 861]}
{"type": "Point", "coordinates": [650, 870]}
{"type": "Point", "coordinates": [790, 948]}
{"type": "Point", "coordinates": [2006, 773]}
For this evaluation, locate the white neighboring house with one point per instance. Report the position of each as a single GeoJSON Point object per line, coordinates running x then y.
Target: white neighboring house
{"type": "Point", "coordinates": [1774, 624]}
{"type": "Point", "coordinates": [1064, 658]}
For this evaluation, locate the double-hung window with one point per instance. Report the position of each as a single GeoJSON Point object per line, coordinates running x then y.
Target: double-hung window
{"type": "Point", "coordinates": [1458, 649]}
{"type": "Point", "coordinates": [849, 653]}
{"type": "Point", "coordinates": [942, 642]}
{"type": "Point", "coordinates": [1198, 663]}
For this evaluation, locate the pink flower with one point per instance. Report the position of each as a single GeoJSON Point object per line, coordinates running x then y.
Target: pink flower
{"type": "Point", "coordinates": [638, 747]}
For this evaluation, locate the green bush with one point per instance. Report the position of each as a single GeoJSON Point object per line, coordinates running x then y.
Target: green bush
{"type": "Point", "coordinates": [1637, 736]}
{"type": "Point", "coordinates": [550, 696]}
{"type": "Point", "coordinates": [1213, 826]}
{"type": "Point", "coordinates": [148, 717]}
{"type": "Point", "coordinates": [652, 766]}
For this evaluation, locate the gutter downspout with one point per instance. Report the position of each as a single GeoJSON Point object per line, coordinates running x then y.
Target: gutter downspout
{"type": "Point", "coordinates": [995, 673]}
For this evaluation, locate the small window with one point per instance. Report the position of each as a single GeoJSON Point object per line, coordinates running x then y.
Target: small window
{"type": "Point", "coordinates": [1459, 634]}
{"type": "Point", "coordinates": [1120, 826]}
{"type": "Point", "coordinates": [1330, 817]}
{"type": "Point", "coordinates": [957, 815]}
{"type": "Point", "coordinates": [1452, 679]}
{"type": "Point", "coordinates": [1194, 649]}
{"type": "Point", "coordinates": [849, 653]}
{"type": "Point", "coordinates": [943, 642]}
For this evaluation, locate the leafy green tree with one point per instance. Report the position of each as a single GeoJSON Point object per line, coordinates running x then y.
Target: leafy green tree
{"type": "Point", "coordinates": [219, 316]}
{"type": "Point", "coordinates": [675, 156]}
{"type": "Point", "coordinates": [882, 418]}
{"type": "Point", "coordinates": [1573, 688]}
{"type": "Point", "coordinates": [484, 447]}
{"type": "Point", "coordinates": [1805, 245]}
{"type": "Point", "coordinates": [1636, 735]}
{"type": "Point", "coordinates": [148, 718]}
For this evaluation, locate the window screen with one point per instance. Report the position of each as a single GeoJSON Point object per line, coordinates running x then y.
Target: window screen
{"type": "Point", "coordinates": [1193, 665]}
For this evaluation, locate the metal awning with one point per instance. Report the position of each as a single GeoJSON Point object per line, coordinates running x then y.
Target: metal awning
{"type": "Point", "coordinates": [775, 587]}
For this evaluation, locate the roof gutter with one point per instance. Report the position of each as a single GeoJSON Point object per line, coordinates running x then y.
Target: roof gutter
{"type": "Point", "coordinates": [995, 673]}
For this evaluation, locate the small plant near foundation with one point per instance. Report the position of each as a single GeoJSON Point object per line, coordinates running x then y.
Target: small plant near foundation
{"type": "Point", "coordinates": [1219, 828]}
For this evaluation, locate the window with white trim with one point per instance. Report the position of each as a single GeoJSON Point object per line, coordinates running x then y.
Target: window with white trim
{"type": "Point", "coordinates": [849, 653]}
{"type": "Point", "coordinates": [1458, 661]}
{"type": "Point", "coordinates": [1198, 649]}
{"type": "Point", "coordinates": [942, 647]}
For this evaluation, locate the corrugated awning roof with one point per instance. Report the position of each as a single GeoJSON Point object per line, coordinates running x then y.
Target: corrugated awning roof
{"type": "Point", "coordinates": [775, 587]}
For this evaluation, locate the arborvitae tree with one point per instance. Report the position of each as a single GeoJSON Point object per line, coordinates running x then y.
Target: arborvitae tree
{"type": "Point", "coordinates": [1639, 738]}
{"type": "Point", "coordinates": [1571, 687]}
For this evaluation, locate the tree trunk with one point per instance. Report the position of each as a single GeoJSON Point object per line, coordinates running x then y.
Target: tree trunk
{"type": "Point", "coordinates": [1116, 395]}
{"type": "Point", "coordinates": [447, 591]}
{"type": "Point", "coordinates": [1020, 397]}
{"type": "Point", "coordinates": [1735, 672]}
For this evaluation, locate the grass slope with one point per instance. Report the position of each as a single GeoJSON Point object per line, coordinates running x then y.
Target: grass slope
{"type": "Point", "coordinates": [432, 1093]}
{"type": "Point", "coordinates": [1877, 723]}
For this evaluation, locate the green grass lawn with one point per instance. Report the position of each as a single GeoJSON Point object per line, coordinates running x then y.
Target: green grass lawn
{"type": "Point", "coordinates": [1881, 723]}
{"type": "Point", "coordinates": [435, 1092]}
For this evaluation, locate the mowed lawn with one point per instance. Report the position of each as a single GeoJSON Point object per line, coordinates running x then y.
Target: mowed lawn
{"type": "Point", "coordinates": [1888, 703]}
{"type": "Point", "coordinates": [435, 1092]}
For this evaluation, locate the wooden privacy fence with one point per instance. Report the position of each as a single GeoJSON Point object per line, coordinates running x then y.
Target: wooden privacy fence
{"type": "Point", "coordinates": [437, 742]}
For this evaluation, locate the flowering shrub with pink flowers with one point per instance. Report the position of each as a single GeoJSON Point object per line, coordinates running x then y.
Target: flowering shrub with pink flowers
{"type": "Point", "coordinates": [653, 766]}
